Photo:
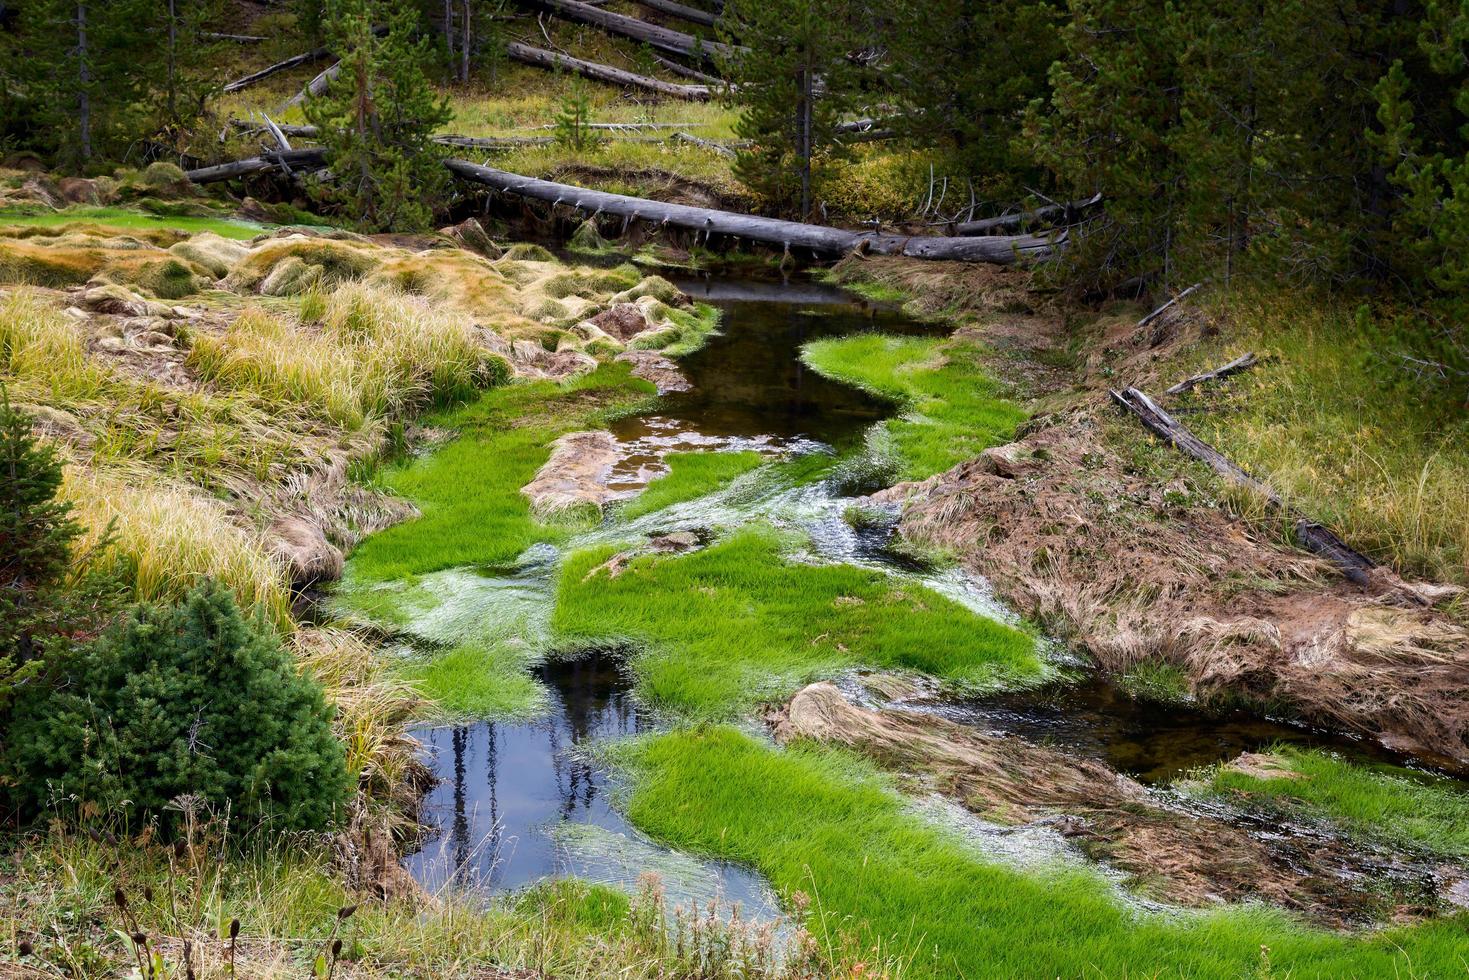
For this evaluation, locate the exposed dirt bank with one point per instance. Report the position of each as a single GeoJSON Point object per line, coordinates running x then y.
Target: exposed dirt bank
{"type": "Point", "coordinates": [1128, 553]}
{"type": "Point", "coordinates": [1169, 852]}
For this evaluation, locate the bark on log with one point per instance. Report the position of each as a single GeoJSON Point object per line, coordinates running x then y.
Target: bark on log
{"type": "Point", "coordinates": [1311, 535]}
{"type": "Point", "coordinates": [606, 73]}
{"type": "Point", "coordinates": [306, 159]}
{"type": "Point", "coordinates": [662, 38]}
{"type": "Point", "coordinates": [279, 66]}
{"type": "Point", "coordinates": [709, 145]}
{"type": "Point", "coordinates": [1050, 214]}
{"type": "Point", "coordinates": [292, 62]}
{"type": "Point", "coordinates": [317, 86]}
{"type": "Point", "coordinates": [770, 231]}
{"type": "Point", "coordinates": [682, 11]}
{"type": "Point", "coordinates": [1240, 363]}
{"type": "Point", "coordinates": [713, 81]}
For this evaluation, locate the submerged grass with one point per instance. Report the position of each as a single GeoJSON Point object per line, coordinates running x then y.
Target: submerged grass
{"type": "Point", "coordinates": [876, 875]}
{"type": "Point", "coordinates": [690, 475]}
{"type": "Point", "coordinates": [1377, 803]}
{"type": "Point", "coordinates": [952, 409]}
{"type": "Point", "coordinates": [738, 623]}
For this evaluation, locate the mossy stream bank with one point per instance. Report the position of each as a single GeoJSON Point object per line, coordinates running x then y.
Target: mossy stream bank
{"type": "Point", "coordinates": [601, 676]}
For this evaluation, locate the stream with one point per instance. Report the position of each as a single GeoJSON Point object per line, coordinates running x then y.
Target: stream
{"type": "Point", "coordinates": [518, 803]}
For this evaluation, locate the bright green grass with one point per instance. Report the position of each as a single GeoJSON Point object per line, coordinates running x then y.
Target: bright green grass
{"type": "Point", "coordinates": [123, 218]}
{"type": "Point", "coordinates": [690, 475]}
{"type": "Point", "coordinates": [823, 823]}
{"type": "Point", "coordinates": [952, 408]}
{"type": "Point", "coordinates": [727, 627]}
{"type": "Point", "coordinates": [473, 512]}
{"type": "Point", "coordinates": [1378, 803]}
{"type": "Point", "coordinates": [473, 681]}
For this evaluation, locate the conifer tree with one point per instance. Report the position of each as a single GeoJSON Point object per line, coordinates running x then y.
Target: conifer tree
{"type": "Point", "coordinates": [377, 119]}
{"type": "Point", "coordinates": [792, 87]}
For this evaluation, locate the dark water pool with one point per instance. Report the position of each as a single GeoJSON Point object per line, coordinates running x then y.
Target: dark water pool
{"type": "Point", "coordinates": [522, 802]}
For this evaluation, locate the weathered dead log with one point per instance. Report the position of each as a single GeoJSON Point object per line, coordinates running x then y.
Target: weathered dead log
{"type": "Point", "coordinates": [1311, 535]}
{"type": "Point", "coordinates": [1065, 214]}
{"type": "Point", "coordinates": [682, 11]}
{"type": "Point", "coordinates": [306, 159]}
{"type": "Point", "coordinates": [605, 73]}
{"type": "Point", "coordinates": [293, 62]}
{"type": "Point", "coordinates": [317, 86]}
{"type": "Point", "coordinates": [289, 129]}
{"type": "Point", "coordinates": [1241, 363]}
{"type": "Point", "coordinates": [769, 231]}
{"type": "Point", "coordinates": [236, 38]}
{"type": "Point", "coordinates": [662, 38]}
{"type": "Point", "coordinates": [1168, 305]}
{"type": "Point", "coordinates": [678, 68]}
{"type": "Point", "coordinates": [709, 145]}
{"type": "Point", "coordinates": [280, 66]}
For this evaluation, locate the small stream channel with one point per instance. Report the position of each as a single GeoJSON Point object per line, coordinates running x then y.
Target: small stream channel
{"type": "Point", "coordinates": [522, 802]}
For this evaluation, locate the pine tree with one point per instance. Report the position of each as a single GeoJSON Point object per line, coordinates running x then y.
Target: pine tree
{"type": "Point", "coordinates": [792, 87]}
{"type": "Point", "coordinates": [191, 63]}
{"type": "Point", "coordinates": [82, 66]}
{"type": "Point", "coordinates": [963, 72]}
{"type": "Point", "coordinates": [378, 118]}
{"type": "Point", "coordinates": [42, 603]}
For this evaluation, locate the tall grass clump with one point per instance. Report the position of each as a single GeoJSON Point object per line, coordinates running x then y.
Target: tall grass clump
{"type": "Point", "coordinates": [1341, 420]}
{"type": "Point", "coordinates": [952, 408]}
{"type": "Point", "coordinates": [359, 353]}
{"type": "Point", "coordinates": [172, 537]}
{"type": "Point", "coordinates": [44, 348]}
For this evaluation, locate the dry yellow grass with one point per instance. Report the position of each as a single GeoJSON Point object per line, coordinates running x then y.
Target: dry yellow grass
{"type": "Point", "coordinates": [172, 535]}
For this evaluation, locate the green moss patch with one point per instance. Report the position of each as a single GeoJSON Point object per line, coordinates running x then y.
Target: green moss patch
{"type": "Point", "coordinates": [690, 475]}
{"type": "Point", "coordinates": [952, 409]}
{"type": "Point", "coordinates": [884, 881]}
{"type": "Point", "coordinates": [738, 623]}
{"type": "Point", "coordinates": [1376, 803]}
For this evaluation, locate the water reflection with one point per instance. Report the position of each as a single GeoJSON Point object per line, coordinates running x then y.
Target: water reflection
{"type": "Point", "coordinates": [522, 802]}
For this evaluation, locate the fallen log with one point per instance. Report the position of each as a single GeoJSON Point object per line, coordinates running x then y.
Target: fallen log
{"type": "Point", "coordinates": [1166, 306]}
{"type": "Point", "coordinates": [280, 66]}
{"type": "Point", "coordinates": [316, 87]}
{"type": "Point", "coordinates": [1241, 363]}
{"type": "Point", "coordinates": [662, 38]}
{"type": "Point", "coordinates": [682, 11]}
{"type": "Point", "coordinates": [236, 38]}
{"type": "Point", "coordinates": [770, 231]}
{"type": "Point", "coordinates": [306, 159]}
{"type": "Point", "coordinates": [1050, 214]}
{"type": "Point", "coordinates": [713, 81]}
{"type": "Point", "coordinates": [315, 54]}
{"type": "Point", "coordinates": [605, 73]}
{"type": "Point", "coordinates": [1311, 535]}
{"type": "Point", "coordinates": [709, 145]}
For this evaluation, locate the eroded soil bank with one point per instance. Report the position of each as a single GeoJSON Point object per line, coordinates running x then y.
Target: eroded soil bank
{"type": "Point", "coordinates": [1141, 561]}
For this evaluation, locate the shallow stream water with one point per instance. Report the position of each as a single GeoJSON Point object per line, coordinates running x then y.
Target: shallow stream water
{"type": "Point", "coordinates": [521, 802]}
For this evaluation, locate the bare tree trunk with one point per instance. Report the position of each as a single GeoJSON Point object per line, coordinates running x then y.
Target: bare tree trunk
{"type": "Point", "coordinates": [84, 77]}
{"type": "Point", "coordinates": [449, 30]}
{"type": "Point", "coordinates": [803, 140]}
{"type": "Point", "coordinates": [464, 47]}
